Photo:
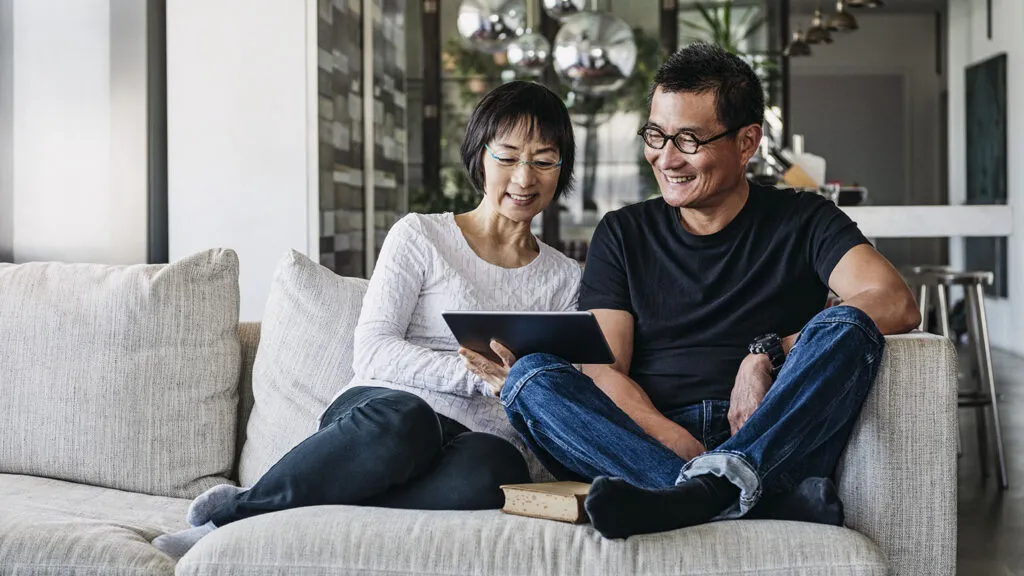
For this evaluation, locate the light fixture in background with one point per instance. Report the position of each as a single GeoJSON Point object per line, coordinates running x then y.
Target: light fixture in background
{"type": "Point", "coordinates": [562, 9]}
{"type": "Point", "coordinates": [865, 3]}
{"type": "Point", "coordinates": [798, 46]}
{"type": "Point", "coordinates": [528, 53]}
{"type": "Point", "coordinates": [489, 25]}
{"type": "Point", "coordinates": [842, 21]}
{"type": "Point", "coordinates": [594, 53]}
{"type": "Point", "coordinates": [818, 32]}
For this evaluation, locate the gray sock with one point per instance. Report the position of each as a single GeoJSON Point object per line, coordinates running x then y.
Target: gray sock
{"type": "Point", "coordinates": [203, 507]}
{"type": "Point", "coordinates": [177, 544]}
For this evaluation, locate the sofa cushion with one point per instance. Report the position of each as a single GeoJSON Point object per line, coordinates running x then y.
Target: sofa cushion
{"type": "Point", "coordinates": [376, 541]}
{"type": "Point", "coordinates": [59, 528]}
{"type": "Point", "coordinates": [121, 376]}
{"type": "Point", "coordinates": [304, 358]}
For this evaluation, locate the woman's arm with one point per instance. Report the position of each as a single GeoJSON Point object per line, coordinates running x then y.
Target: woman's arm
{"type": "Point", "coordinates": [381, 350]}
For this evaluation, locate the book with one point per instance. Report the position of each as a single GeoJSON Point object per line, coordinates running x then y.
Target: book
{"type": "Point", "coordinates": [561, 501]}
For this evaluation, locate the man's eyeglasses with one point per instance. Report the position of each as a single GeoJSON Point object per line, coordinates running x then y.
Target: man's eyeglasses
{"type": "Point", "coordinates": [684, 142]}
{"type": "Point", "coordinates": [542, 165]}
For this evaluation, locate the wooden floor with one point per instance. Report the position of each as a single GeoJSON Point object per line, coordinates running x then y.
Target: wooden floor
{"type": "Point", "coordinates": [991, 521]}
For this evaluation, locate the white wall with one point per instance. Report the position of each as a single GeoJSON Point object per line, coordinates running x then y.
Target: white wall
{"type": "Point", "coordinates": [6, 134]}
{"type": "Point", "coordinates": [78, 130]}
{"type": "Point", "coordinates": [902, 44]}
{"type": "Point", "coordinates": [968, 44]}
{"type": "Point", "coordinates": [240, 173]}
{"type": "Point", "coordinates": [887, 44]}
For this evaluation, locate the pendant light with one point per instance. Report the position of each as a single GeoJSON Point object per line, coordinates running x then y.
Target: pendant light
{"type": "Point", "coordinates": [818, 33]}
{"type": "Point", "coordinates": [842, 21]}
{"type": "Point", "coordinates": [866, 3]}
{"type": "Point", "coordinates": [797, 46]}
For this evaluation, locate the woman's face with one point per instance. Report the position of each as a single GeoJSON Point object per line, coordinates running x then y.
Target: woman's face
{"type": "Point", "coordinates": [515, 190]}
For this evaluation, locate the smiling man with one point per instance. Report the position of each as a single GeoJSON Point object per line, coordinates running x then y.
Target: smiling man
{"type": "Point", "coordinates": [734, 390]}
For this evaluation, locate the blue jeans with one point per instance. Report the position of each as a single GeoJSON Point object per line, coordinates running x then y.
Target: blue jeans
{"type": "Point", "coordinates": [798, 432]}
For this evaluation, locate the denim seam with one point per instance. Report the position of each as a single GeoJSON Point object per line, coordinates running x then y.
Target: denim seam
{"type": "Point", "coordinates": [518, 385]}
{"type": "Point", "coordinates": [828, 409]}
{"type": "Point", "coordinates": [746, 501]}
{"type": "Point", "coordinates": [539, 432]}
{"type": "Point", "coordinates": [867, 332]}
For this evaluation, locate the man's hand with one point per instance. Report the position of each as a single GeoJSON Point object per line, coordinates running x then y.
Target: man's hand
{"type": "Point", "coordinates": [492, 373]}
{"type": "Point", "coordinates": [752, 382]}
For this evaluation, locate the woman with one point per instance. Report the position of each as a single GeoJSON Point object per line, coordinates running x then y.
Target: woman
{"type": "Point", "coordinates": [417, 428]}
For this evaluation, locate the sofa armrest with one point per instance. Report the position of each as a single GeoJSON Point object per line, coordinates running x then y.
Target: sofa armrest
{"type": "Point", "coordinates": [897, 478]}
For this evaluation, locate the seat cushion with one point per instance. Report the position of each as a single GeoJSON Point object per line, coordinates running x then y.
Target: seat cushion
{"type": "Point", "coordinates": [55, 527]}
{"type": "Point", "coordinates": [304, 358]}
{"type": "Point", "coordinates": [121, 376]}
{"type": "Point", "coordinates": [376, 541]}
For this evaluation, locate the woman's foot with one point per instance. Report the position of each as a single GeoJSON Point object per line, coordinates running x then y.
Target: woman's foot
{"type": "Point", "coordinates": [203, 507]}
{"type": "Point", "coordinates": [177, 544]}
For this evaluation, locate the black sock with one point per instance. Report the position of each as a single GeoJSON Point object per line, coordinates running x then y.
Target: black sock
{"type": "Point", "coordinates": [618, 509]}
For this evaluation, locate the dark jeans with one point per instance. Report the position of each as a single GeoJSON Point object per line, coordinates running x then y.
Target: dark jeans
{"type": "Point", "coordinates": [797, 433]}
{"type": "Point", "coordinates": [382, 447]}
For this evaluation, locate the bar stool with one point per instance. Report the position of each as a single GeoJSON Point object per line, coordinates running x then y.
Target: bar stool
{"type": "Point", "coordinates": [939, 279]}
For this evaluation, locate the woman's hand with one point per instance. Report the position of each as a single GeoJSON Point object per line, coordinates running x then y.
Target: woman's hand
{"type": "Point", "coordinates": [492, 373]}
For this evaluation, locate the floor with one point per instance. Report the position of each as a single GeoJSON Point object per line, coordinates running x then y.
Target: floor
{"type": "Point", "coordinates": [991, 521]}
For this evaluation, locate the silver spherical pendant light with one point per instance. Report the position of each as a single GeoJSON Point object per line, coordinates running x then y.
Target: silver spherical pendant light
{"type": "Point", "coordinates": [594, 53]}
{"type": "Point", "coordinates": [562, 9]}
{"type": "Point", "coordinates": [489, 25]}
{"type": "Point", "coordinates": [528, 54]}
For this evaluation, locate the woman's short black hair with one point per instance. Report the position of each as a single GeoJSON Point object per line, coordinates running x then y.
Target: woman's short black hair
{"type": "Point", "coordinates": [509, 107]}
{"type": "Point", "coordinates": [701, 67]}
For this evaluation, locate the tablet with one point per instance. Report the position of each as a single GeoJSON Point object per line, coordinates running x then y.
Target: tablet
{"type": "Point", "coordinates": [574, 336]}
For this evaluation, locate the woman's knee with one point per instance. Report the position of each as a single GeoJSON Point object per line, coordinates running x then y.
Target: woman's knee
{"type": "Point", "coordinates": [392, 419]}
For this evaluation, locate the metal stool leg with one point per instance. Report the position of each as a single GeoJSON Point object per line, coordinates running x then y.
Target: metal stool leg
{"type": "Point", "coordinates": [922, 303]}
{"type": "Point", "coordinates": [943, 310]}
{"type": "Point", "coordinates": [988, 377]}
{"type": "Point", "coordinates": [974, 345]}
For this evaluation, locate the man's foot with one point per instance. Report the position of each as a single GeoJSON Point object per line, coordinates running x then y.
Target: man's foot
{"type": "Point", "coordinates": [177, 544]}
{"type": "Point", "coordinates": [618, 509]}
{"type": "Point", "coordinates": [203, 507]}
{"type": "Point", "coordinates": [813, 500]}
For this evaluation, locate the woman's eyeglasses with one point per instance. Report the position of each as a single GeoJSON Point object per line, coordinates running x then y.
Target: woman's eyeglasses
{"type": "Point", "coordinates": [507, 162]}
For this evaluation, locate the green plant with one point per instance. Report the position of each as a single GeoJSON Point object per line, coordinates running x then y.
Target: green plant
{"type": "Point", "coordinates": [716, 25]}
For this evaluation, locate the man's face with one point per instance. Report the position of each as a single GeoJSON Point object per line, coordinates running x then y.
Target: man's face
{"type": "Point", "coordinates": [705, 178]}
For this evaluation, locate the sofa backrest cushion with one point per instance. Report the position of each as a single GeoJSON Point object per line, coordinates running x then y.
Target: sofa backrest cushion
{"type": "Point", "coordinates": [121, 376]}
{"type": "Point", "coordinates": [304, 358]}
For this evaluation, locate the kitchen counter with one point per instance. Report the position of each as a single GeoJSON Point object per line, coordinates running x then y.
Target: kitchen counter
{"type": "Point", "coordinates": [931, 221]}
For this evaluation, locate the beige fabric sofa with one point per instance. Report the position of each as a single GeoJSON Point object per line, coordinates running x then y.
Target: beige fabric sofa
{"type": "Point", "coordinates": [61, 514]}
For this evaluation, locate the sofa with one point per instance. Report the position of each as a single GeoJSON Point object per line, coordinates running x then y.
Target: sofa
{"type": "Point", "coordinates": [125, 391]}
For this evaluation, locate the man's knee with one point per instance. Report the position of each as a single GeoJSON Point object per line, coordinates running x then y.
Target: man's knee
{"type": "Point", "coordinates": [845, 326]}
{"type": "Point", "coordinates": [535, 371]}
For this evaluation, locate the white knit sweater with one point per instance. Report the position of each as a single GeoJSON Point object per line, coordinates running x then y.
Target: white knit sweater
{"type": "Point", "coordinates": [401, 342]}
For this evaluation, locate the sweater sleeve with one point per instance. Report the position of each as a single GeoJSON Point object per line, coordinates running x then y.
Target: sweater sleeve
{"type": "Point", "coordinates": [381, 351]}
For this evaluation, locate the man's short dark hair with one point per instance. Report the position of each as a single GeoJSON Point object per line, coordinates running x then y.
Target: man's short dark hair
{"type": "Point", "coordinates": [700, 67]}
{"type": "Point", "coordinates": [507, 108]}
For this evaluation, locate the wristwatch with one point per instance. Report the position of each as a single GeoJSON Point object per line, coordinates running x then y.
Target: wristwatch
{"type": "Point", "coordinates": [771, 345]}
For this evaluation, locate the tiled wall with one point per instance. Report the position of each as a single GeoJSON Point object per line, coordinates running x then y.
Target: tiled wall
{"type": "Point", "coordinates": [341, 151]}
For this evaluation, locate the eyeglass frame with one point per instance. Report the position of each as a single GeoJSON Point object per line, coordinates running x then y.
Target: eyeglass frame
{"type": "Point", "coordinates": [672, 138]}
{"type": "Point", "coordinates": [530, 163]}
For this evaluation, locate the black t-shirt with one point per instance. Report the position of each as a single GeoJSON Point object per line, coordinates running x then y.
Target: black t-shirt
{"type": "Point", "coordinates": [698, 301]}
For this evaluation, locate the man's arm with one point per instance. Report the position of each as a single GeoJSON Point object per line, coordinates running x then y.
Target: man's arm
{"type": "Point", "coordinates": [614, 381]}
{"type": "Point", "coordinates": [864, 279]}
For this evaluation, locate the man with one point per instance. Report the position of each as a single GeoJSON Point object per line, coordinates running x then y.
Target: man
{"type": "Point", "coordinates": [732, 386]}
